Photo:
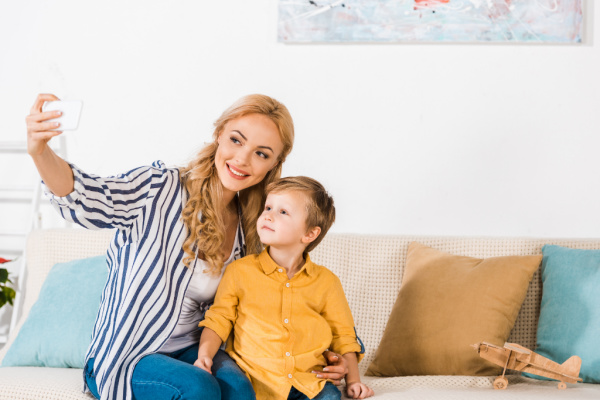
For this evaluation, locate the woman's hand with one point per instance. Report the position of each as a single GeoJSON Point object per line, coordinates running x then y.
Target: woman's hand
{"type": "Point", "coordinates": [336, 368]}
{"type": "Point", "coordinates": [357, 390]}
{"type": "Point", "coordinates": [38, 130]}
{"type": "Point", "coordinates": [54, 171]}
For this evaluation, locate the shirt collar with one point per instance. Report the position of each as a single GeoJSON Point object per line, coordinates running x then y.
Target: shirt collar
{"type": "Point", "coordinates": [269, 266]}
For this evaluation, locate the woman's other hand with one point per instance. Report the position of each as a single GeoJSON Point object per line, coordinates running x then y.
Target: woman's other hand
{"type": "Point", "coordinates": [336, 368]}
{"type": "Point", "coordinates": [39, 131]}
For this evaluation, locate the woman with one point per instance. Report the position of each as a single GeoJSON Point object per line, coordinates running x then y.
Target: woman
{"type": "Point", "coordinates": [177, 229]}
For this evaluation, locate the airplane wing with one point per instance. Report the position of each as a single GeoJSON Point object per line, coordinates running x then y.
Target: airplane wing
{"type": "Point", "coordinates": [517, 348]}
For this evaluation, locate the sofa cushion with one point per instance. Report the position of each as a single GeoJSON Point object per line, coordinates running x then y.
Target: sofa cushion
{"type": "Point", "coordinates": [33, 383]}
{"type": "Point", "coordinates": [59, 327]}
{"type": "Point", "coordinates": [446, 304]}
{"type": "Point", "coordinates": [569, 321]}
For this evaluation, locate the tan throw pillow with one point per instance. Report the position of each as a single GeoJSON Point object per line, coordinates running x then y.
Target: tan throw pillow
{"type": "Point", "coordinates": [446, 304]}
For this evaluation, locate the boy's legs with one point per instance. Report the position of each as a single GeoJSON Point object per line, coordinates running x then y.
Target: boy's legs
{"type": "Point", "coordinates": [329, 392]}
{"type": "Point", "coordinates": [161, 376]}
{"type": "Point", "coordinates": [233, 382]}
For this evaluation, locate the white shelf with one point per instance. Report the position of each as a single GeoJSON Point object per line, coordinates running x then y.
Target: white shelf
{"type": "Point", "coordinates": [11, 252]}
{"type": "Point", "coordinates": [16, 199]}
{"type": "Point", "coordinates": [12, 233]}
{"type": "Point", "coordinates": [13, 238]}
{"type": "Point", "coordinates": [16, 194]}
{"type": "Point", "coordinates": [13, 147]}
{"type": "Point", "coordinates": [16, 188]}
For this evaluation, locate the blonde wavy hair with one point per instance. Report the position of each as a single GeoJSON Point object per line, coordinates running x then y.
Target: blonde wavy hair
{"type": "Point", "coordinates": [205, 190]}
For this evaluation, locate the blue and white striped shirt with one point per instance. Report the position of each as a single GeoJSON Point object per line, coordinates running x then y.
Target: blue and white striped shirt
{"type": "Point", "coordinates": [147, 279]}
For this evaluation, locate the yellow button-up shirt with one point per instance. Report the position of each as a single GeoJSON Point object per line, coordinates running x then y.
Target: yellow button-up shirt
{"type": "Point", "coordinates": [281, 326]}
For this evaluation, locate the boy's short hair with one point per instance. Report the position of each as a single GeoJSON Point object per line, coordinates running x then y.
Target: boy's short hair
{"type": "Point", "coordinates": [319, 204]}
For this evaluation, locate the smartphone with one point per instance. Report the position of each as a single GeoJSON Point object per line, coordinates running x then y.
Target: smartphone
{"type": "Point", "coordinates": [71, 111]}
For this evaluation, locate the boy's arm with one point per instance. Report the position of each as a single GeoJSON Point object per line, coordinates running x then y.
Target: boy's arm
{"type": "Point", "coordinates": [209, 345]}
{"type": "Point", "coordinates": [339, 317]}
{"type": "Point", "coordinates": [353, 374]}
{"type": "Point", "coordinates": [221, 316]}
{"type": "Point", "coordinates": [218, 320]}
{"type": "Point", "coordinates": [354, 388]}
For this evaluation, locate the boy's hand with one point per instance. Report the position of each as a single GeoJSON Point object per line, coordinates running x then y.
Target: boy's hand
{"type": "Point", "coordinates": [205, 363]}
{"type": "Point", "coordinates": [357, 390]}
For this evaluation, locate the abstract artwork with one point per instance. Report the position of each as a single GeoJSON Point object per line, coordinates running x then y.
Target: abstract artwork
{"type": "Point", "coordinates": [530, 21]}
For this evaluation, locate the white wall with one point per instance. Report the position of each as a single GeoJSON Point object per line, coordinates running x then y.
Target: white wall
{"type": "Point", "coordinates": [496, 140]}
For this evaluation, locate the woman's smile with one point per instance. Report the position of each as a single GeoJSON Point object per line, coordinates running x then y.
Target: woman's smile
{"type": "Point", "coordinates": [249, 147]}
{"type": "Point", "coordinates": [236, 173]}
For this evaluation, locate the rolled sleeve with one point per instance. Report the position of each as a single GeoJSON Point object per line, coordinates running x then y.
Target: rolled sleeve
{"type": "Point", "coordinates": [348, 345]}
{"type": "Point", "coordinates": [222, 314]}
{"type": "Point", "coordinates": [221, 326]}
{"type": "Point", "coordinates": [338, 315]}
{"type": "Point", "coordinates": [69, 200]}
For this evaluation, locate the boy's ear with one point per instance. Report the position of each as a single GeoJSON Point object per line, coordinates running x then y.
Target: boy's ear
{"type": "Point", "coordinates": [311, 235]}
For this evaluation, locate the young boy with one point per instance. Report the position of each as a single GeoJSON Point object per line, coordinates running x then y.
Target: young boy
{"type": "Point", "coordinates": [285, 311]}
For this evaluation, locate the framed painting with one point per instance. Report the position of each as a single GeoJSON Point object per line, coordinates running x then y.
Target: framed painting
{"type": "Point", "coordinates": [530, 21]}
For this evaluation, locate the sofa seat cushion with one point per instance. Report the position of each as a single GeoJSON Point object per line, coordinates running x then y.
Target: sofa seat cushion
{"type": "Point", "coordinates": [34, 383]}
{"type": "Point", "coordinates": [429, 387]}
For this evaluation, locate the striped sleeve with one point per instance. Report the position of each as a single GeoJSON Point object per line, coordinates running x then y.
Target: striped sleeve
{"type": "Point", "coordinates": [111, 202]}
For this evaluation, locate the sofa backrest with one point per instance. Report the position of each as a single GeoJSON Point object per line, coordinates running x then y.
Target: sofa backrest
{"type": "Point", "coordinates": [370, 268]}
{"type": "Point", "coordinates": [44, 249]}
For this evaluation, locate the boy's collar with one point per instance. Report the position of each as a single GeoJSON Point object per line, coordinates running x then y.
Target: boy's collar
{"type": "Point", "coordinates": [269, 265]}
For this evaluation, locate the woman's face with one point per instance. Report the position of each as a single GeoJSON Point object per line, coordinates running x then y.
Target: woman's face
{"type": "Point", "coordinates": [249, 148]}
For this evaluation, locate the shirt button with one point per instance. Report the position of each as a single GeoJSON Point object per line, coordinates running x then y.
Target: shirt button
{"type": "Point", "coordinates": [288, 354]}
{"type": "Point", "coordinates": [290, 376]}
{"type": "Point", "coordinates": [279, 270]}
{"type": "Point", "coordinates": [286, 320]}
{"type": "Point", "coordinates": [287, 284]}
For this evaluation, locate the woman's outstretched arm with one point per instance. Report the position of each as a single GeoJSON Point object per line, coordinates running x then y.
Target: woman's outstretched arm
{"type": "Point", "coordinates": [92, 201]}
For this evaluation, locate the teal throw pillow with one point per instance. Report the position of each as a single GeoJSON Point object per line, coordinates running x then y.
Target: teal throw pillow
{"type": "Point", "coordinates": [59, 327]}
{"type": "Point", "coordinates": [570, 313]}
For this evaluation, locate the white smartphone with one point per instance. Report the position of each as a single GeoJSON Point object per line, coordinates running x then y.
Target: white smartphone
{"type": "Point", "coordinates": [71, 111]}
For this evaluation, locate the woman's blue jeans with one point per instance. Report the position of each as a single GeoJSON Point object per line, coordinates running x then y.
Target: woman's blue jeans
{"type": "Point", "coordinates": [174, 376]}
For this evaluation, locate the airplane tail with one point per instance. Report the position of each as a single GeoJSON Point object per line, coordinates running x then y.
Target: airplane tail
{"type": "Point", "coordinates": [573, 365]}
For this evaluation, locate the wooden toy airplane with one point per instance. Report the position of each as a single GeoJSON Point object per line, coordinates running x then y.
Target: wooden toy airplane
{"type": "Point", "coordinates": [513, 356]}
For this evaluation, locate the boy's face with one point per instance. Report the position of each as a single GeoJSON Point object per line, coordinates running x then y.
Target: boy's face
{"type": "Point", "coordinates": [283, 220]}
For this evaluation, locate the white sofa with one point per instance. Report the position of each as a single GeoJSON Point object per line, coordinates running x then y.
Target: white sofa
{"type": "Point", "coordinates": [370, 268]}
